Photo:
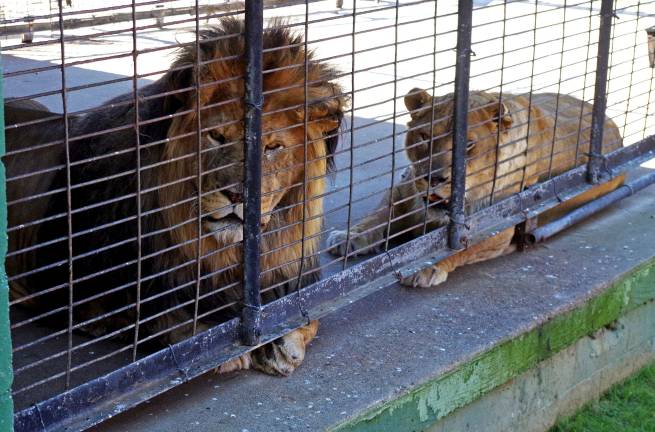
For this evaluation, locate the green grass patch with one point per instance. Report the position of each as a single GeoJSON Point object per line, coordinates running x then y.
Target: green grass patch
{"type": "Point", "coordinates": [627, 407]}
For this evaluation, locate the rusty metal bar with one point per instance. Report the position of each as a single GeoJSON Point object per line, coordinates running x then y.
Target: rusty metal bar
{"type": "Point", "coordinates": [600, 97]}
{"type": "Point", "coordinates": [252, 302]}
{"type": "Point", "coordinates": [456, 237]}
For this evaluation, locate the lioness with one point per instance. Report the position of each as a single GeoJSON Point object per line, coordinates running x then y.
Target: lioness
{"type": "Point", "coordinates": [513, 143]}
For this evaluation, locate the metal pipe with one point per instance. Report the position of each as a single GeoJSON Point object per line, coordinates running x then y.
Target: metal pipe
{"type": "Point", "coordinates": [456, 237]}
{"type": "Point", "coordinates": [252, 302]}
{"type": "Point", "coordinates": [600, 97]}
{"type": "Point", "coordinates": [581, 213]}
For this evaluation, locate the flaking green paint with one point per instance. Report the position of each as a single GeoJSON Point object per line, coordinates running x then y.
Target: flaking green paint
{"type": "Point", "coordinates": [424, 405]}
{"type": "Point", "coordinates": [6, 375]}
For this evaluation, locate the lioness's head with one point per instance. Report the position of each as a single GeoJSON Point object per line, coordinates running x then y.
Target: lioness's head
{"type": "Point", "coordinates": [296, 145]}
{"type": "Point", "coordinates": [487, 118]}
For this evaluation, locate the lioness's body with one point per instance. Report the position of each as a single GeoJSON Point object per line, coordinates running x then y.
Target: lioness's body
{"type": "Point", "coordinates": [513, 144]}
{"type": "Point", "coordinates": [138, 243]}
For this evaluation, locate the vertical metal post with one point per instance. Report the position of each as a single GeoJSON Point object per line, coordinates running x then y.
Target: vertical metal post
{"type": "Point", "coordinates": [600, 98]}
{"type": "Point", "coordinates": [6, 375]}
{"type": "Point", "coordinates": [69, 199]}
{"type": "Point", "coordinates": [456, 236]}
{"type": "Point", "coordinates": [251, 314]}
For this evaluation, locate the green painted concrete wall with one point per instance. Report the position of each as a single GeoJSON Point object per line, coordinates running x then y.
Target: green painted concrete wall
{"type": "Point", "coordinates": [422, 406]}
{"type": "Point", "coordinates": [6, 376]}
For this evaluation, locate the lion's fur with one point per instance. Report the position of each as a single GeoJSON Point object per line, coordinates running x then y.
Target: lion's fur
{"type": "Point", "coordinates": [514, 142]}
{"type": "Point", "coordinates": [168, 146]}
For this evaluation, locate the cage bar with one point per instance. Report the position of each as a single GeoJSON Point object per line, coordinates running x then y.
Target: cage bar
{"type": "Point", "coordinates": [457, 238]}
{"type": "Point", "coordinates": [251, 315]}
{"type": "Point", "coordinates": [600, 92]}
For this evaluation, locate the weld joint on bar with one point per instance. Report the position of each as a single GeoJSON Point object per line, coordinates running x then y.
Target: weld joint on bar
{"type": "Point", "coordinates": [256, 105]}
{"type": "Point", "coordinates": [251, 316]}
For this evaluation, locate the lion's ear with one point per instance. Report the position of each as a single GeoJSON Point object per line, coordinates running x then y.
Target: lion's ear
{"type": "Point", "coordinates": [502, 116]}
{"type": "Point", "coordinates": [325, 114]}
{"type": "Point", "coordinates": [415, 99]}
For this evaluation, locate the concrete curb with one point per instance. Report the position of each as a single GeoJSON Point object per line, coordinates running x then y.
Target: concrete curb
{"type": "Point", "coordinates": [432, 401]}
{"type": "Point", "coordinates": [559, 386]}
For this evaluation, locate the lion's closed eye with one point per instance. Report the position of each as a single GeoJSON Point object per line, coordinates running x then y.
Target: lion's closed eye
{"type": "Point", "coordinates": [217, 137]}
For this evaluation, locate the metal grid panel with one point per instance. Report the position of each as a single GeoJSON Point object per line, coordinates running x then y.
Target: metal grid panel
{"type": "Point", "coordinates": [128, 228]}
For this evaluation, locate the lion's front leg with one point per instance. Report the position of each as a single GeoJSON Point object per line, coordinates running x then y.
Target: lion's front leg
{"type": "Point", "coordinates": [280, 357]}
{"type": "Point", "coordinates": [498, 245]}
{"type": "Point", "coordinates": [340, 244]}
{"type": "Point", "coordinates": [368, 235]}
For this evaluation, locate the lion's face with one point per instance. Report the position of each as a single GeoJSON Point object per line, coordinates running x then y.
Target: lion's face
{"type": "Point", "coordinates": [482, 137]}
{"type": "Point", "coordinates": [282, 168]}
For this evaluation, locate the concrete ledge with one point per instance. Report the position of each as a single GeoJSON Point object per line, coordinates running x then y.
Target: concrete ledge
{"type": "Point", "coordinates": [558, 386]}
{"type": "Point", "coordinates": [436, 399]}
{"type": "Point", "coordinates": [418, 359]}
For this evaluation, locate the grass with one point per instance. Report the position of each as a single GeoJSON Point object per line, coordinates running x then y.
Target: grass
{"type": "Point", "coordinates": [627, 407]}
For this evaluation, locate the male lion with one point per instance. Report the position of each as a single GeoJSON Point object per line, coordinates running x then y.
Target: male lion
{"type": "Point", "coordinates": [134, 238]}
{"type": "Point", "coordinates": [512, 144]}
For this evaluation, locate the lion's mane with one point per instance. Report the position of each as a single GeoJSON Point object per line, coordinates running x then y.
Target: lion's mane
{"type": "Point", "coordinates": [120, 236]}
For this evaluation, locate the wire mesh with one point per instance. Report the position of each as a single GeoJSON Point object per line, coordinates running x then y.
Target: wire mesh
{"type": "Point", "coordinates": [129, 122]}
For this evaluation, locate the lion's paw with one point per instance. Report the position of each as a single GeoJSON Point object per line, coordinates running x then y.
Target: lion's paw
{"type": "Point", "coordinates": [282, 356]}
{"type": "Point", "coordinates": [357, 245]}
{"type": "Point", "coordinates": [239, 363]}
{"type": "Point", "coordinates": [426, 278]}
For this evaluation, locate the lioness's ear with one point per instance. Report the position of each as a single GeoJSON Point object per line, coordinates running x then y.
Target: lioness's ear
{"type": "Point", "coordinates": [503, 117]}
{"type": "Point", "coordinates": [415, 99]}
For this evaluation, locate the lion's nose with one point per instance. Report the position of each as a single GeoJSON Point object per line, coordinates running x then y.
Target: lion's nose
{"type": "Point", "coordinates": [234, 197]}
{"type": "Point", "coordinates": [433, 197]}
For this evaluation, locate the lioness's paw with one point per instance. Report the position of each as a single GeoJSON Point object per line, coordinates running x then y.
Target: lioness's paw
{"type": "Point", "coordinates": [282, 356]}
{"type": "Point", "coordinates": [357, 245]}
{"type": "Point", "coordinates": [239, 363]}
{"type": "Point", "coordinates": [426, 278]}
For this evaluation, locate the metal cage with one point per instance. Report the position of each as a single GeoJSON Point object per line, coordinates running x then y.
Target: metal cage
{"type": "Point", "coordinates": [126, 123]}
